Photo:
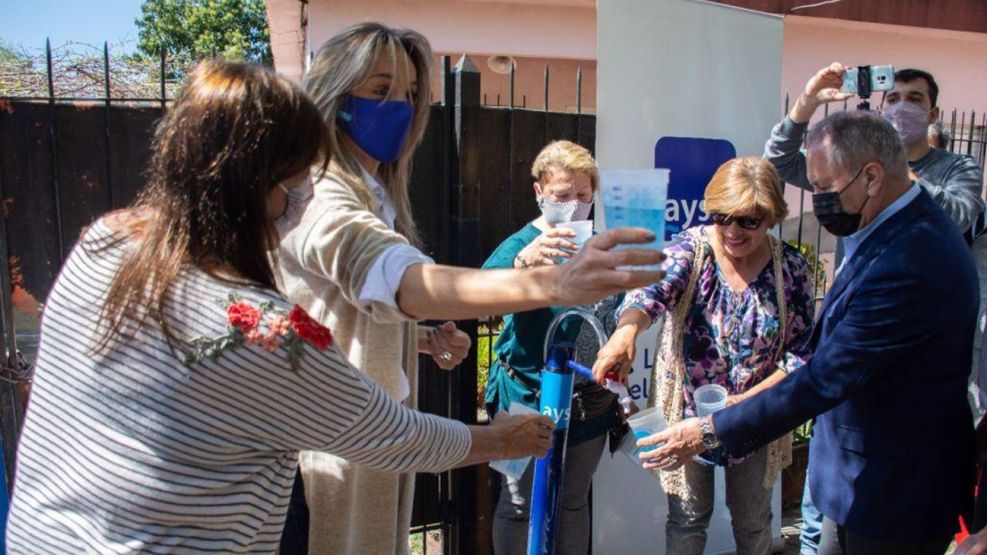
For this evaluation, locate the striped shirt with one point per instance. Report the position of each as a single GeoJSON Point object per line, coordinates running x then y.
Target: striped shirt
{"type": "Point", "coordinates": [134, 451]}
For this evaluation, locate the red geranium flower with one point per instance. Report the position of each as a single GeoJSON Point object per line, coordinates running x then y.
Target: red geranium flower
{"type": "Point", "coordinates": [243, 316]}
{"type": "Point", "coordinates": [309, 330]}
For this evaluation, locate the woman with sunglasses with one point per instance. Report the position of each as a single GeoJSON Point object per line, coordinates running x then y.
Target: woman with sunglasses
{"type": "Point", "coordinates": [738, 310]}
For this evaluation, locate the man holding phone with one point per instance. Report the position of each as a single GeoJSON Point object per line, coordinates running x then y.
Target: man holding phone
{"type": "Point", "coordinates": [953, 181]}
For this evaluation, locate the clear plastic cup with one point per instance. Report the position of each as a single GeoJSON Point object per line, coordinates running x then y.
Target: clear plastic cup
{"type": "Point", "coordinates": [514, 468]}
{"type": "Point", "coordinates": [709, 398]}
{"type": "Point", "coordinates": [629, 448]}
{"type": "Point", "coordinates": [636, 198]}
{"type": "Point", "coordinates": [643, 424]}
{"type": "Point", "coordinates": [583, 230]}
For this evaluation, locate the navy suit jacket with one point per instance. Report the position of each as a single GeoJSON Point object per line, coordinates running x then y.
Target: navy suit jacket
{"type": "Point", "coordinates": [892, 452]}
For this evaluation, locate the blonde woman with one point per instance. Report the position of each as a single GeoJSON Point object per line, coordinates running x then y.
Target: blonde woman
{"type": "Point", "coordinates": [349, 256]}
{"type": "Point", "coordinates": [739, 312]}
{"type": "Point", "coordinates": [565, 179]}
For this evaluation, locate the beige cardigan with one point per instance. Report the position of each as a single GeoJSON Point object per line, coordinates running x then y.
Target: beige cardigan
{"type": "Point", "coordinates": [323, 262]}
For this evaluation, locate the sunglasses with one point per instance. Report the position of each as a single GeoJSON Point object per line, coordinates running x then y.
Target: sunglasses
{"type": "Point", "coordinates": [745, 222]}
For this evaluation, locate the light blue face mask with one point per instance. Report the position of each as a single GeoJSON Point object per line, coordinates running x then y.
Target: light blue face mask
{"type": "Point", "coordinates": [379, 127]}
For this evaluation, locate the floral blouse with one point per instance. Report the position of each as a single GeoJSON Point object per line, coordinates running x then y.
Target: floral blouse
{"type": "Point", "coordinates": [731, 338]}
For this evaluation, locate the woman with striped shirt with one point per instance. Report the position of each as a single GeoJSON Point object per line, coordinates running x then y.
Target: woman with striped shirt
{"type": "Point", "coordinates": [174, 386]}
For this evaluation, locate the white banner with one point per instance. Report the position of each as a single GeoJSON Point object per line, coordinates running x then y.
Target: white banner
{"type": "Point", "coordinates": [675, 68]}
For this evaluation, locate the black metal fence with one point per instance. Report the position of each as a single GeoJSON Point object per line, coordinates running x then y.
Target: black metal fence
{"type": "Point", "coordinates": [65, 159]}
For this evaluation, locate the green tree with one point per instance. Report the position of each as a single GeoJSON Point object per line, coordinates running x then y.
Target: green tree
{"type": "Point", "coordinates": [190, 30]}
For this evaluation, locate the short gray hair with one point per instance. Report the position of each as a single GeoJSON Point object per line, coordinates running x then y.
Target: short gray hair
{"type": "Point", "coordinates": [858, 138]}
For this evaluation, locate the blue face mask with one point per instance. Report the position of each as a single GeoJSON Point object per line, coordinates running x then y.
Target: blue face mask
{"type": "Point", "coordinates": [378, 127]}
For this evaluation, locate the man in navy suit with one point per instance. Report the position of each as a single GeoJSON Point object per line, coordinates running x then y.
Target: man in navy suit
{"type": "Point", "coordinates": [892, 453]}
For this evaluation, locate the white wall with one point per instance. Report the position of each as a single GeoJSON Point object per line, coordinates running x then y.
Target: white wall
{"type": "Point", "coordinates": [684, 68]}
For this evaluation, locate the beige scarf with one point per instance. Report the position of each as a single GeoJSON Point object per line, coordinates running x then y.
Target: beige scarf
{"type": "Point", "coordinates": [669, 367]}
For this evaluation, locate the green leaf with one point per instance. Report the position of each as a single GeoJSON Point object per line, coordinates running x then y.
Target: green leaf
{"type": "Point", "coordinates": [802, 433]}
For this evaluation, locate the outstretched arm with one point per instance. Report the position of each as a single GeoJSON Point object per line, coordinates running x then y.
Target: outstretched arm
{"type": "Point", "coordinates": [434, 291]}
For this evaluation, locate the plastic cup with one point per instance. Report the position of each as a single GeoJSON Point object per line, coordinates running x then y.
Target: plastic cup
{"type": "Point", "coordinates": [709, 398]}
{"type": "Point", "coordinates": [583, 230]}
{"type": "Point", "coordinates": [643, 424]}
{"type": "Point", "coordinates": [629, 448]}
{"type": "Point", "coordinates": [636, 198]}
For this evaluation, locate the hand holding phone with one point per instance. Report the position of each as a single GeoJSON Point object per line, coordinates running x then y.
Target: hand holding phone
{"type": "Point", "coordinates": [825, 85]}
{"type": "Point", "coordinates": [864, 80]}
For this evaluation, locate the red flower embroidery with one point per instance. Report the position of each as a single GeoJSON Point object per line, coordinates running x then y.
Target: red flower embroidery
{"type": "Point", "coordinates": [243, 316]}
{"type": "Point", "coordinates": [246, 325]}
{"type": "Point", "coordinates": [309, 330]}
{"type": "Point", "coordinates": [253, 337]}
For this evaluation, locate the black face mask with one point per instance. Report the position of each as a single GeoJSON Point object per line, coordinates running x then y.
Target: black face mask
{"type": "Point", "coordinates": [831, 215]}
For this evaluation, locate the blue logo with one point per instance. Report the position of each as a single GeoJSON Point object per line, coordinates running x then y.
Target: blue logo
{"type": "Point", "coordinates": [692, 162]}
{"type": "Point", "coordinates": [559, 416]}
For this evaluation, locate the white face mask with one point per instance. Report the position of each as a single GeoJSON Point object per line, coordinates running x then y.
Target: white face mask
{"type": "Point", "coordinates": [562, 212]}
{"type": "Point", "coordinates": [298, 199]}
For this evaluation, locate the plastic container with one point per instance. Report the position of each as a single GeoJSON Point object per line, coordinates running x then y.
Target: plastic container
{"type": "Point", "coordinates": [643, 424]}
{"type": "Point", "coordinates": [636, 198]}
{"type": "Point", "coordinates": [583, 229]}
{"type": "Point", "coordinates": [514, 468]}
{"type": "Point", "coordinates": [709, 398]}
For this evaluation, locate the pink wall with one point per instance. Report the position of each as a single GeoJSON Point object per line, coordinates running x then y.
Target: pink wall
{"type": "Point", "coordinates": [958, 60]}
{"type": "Point", "coordinates": [529, 84]}
{"type": "Point", "coordinates": [284, 20]}
{"type": "Point", "coordinates": [560, 33]}
{"type": "Point", "coordinates": [564, 29]}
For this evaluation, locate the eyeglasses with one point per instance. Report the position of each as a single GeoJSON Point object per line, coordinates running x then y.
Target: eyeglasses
{"type": "Point", "coordinates": [745, 222]}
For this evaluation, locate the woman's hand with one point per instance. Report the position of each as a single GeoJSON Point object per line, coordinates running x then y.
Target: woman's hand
{"type": "Point", "coordinates": [523, 435]}
{"type": "Point", "coordinates": [617, 355]}
{"type": "Point", "coordinates": [593, 272]}
{"type": "Point", "coordinates": [678, 444]}
{"type": "Point", "coordinates": [546, 247]}
{"type": "Point", "coordinates": [448, 345]}
{"type": "Point", "coordinates": [509, 437]}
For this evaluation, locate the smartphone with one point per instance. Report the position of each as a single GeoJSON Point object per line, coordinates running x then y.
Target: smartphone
{"type": "Point", "coordinates": [875, 79]}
